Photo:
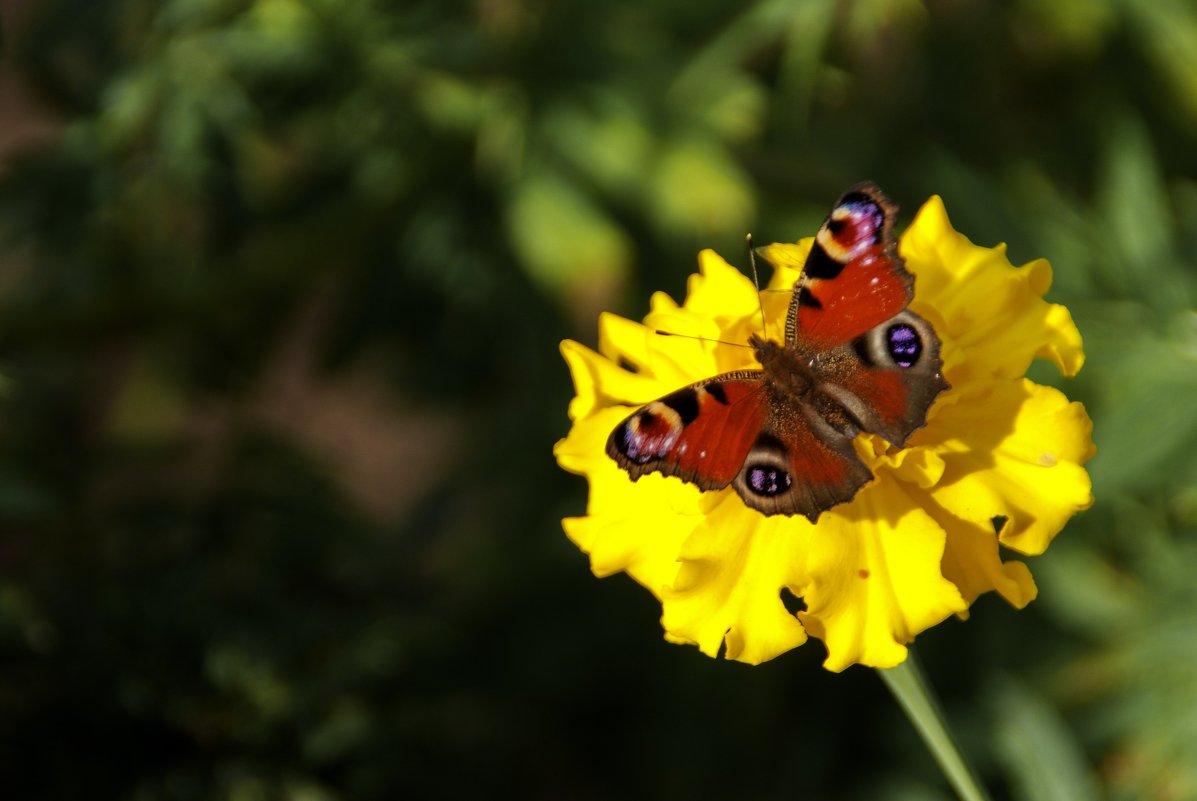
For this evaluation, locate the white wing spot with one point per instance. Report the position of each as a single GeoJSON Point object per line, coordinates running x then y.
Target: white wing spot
{"type": "Point", "coordinates": [1047, 459]}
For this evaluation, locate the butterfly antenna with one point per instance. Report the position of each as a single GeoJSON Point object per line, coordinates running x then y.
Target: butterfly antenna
{"type": "Point", "coordinates": [659, 332]}
{"type": "Point", "coordinates": [756, 280]}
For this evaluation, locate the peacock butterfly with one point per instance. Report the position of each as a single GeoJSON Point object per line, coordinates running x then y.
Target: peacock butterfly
{"type": "Point", "coordinates": [855, 358]}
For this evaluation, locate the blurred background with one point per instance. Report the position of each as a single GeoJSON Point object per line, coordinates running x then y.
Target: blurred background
{"type": "Point", "coordinates": [281, 287]}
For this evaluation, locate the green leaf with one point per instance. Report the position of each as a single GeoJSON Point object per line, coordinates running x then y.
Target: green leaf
{"type": "Point", "coordinates": [1044, 759]}
{"type": "Point", "coordinates": [564, 241]}
{"type": "Point", "coordinates": [697, 187]}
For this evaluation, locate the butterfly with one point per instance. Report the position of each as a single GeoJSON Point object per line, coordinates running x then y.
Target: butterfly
{"type": "Point", "coordinates": [855, 358]}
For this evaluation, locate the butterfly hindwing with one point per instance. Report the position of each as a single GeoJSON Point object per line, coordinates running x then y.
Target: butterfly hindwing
{"type": "Point", "coordinates": [701, 433]}
{"type": "Point", "coordinates": [887, 378]}
{"type": "Point", "coordinates": [800, 464]}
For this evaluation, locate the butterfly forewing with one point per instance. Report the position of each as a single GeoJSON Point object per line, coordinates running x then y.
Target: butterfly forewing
{"type": "Point", "coordinates": [853, 278]}
{"type": "Point", "coordinates": [700, 433]}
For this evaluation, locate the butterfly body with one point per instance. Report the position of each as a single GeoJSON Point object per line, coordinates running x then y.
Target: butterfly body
{"type": "Point", "coordinates": [854, 359]}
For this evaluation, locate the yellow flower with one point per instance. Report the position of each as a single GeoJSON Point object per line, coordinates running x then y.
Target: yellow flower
{"type": "Point", "coordinates": [918, 543]}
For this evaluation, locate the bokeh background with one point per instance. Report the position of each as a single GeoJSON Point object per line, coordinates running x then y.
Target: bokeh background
{"type": "Point", "coordinates": [281, 287]}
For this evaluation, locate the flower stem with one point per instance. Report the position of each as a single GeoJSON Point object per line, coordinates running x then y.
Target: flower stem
{"type": "Point", "coordinates": [908, 685]}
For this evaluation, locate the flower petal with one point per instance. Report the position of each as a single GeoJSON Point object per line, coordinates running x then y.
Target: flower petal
{"type": "Point", "coordinates": [599, 382]}
{"type": "Point", "coordinates": [920, 466]}
{"type": "Point", "coordinates": [635, 527]}
{"type": "Point", "coordinates": [787, 260]}
{"type": "Point", "coordinates": [722, 306]}
{"type": "Point", "coordinates": [971, 561]}
{"type": "Point", "coordinates": [990, 309]}
{"type": "Point", "coordinates": [728, 588]}
{"type": "Point", "coordinates": [875, 580]}
{"type": "Point", "coordinates": [720, 291]}
{"type": "Point", "coordinates": [1013, 449]}
{"type": "Point", "coordinates": [641, 350]}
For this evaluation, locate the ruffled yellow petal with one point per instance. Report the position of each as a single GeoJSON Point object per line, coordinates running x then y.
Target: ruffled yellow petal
{"type": "Point", "coordinates": [629, 344]}
{"type": "Point", "coordinates": [720, 291]}
{"type": "Point", "coordinates": [599, 382]}
{"type": "Point", "coordinates": [992, 311]}
{"type": "Point", "coordinates": [920, 466]}
{"type": "Point", "coordinates": [632, 528]}
{"type": "Point", "coordinates": [1013, 449]}
{"type": "Point", "coordinates": [729, 583]}
{"type": "Point", "coordinates": [787, 259]}
{"type": "Point", "coordinates": [874, 566]}
{"type": "Point", "coordinates": [704, 315]}
{"type": "Point", "coordinates": [870, 584]}
{"type": "Point", "coordinates": [640, 350]}
{"type": "Point", "coordinates": [971, 561]}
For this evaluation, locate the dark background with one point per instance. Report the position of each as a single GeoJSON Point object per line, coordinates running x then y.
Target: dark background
{"type": "Point", "coordinates": [281, 287]}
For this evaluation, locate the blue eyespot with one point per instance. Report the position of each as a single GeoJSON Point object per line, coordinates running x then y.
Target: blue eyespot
{"type": "Point", "coordinates": [767, 480]}
{"type": "Point", "coordinates": [904, 344]}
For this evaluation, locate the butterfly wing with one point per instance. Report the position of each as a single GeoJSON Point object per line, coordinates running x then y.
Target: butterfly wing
{"type": "Point", "coordinates": [887, 378]}
{"type": "Point", "coordinates": [853, 278]}
{"type": "Point", "coordinates": [701, 433]}
{"type": "Point", "coordinates": [800, 464]}
{"type": "Point", "coordinates": [781, 457]}
{"type": "Point", "coordinates": [876, 360]}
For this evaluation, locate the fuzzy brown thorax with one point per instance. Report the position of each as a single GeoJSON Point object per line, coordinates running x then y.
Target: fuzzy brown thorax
{"type": "Point", "coordinates": [787, 369]}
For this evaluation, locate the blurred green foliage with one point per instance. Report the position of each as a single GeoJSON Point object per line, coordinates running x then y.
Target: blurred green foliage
{"type": "Point", "coordinates": [280, 294]}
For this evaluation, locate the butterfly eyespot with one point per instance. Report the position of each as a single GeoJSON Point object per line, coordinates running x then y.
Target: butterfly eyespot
{"type": "Point", "coordinates": [650, 434]}
{"type": "Point", "coordinates": [768, 480]}
{"type": "Point", "coordinates": [903, 344]}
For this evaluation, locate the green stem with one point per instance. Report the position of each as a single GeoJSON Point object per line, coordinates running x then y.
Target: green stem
{"type": "Point", "coordinates": [908, 685]}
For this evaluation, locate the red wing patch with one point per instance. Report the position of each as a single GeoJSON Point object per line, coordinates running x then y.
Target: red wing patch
{"type": "Point", "coordinates": [885, 393]}
{"type": "Point", "coordinates": [700, 433]}
{"type": "Point", "coordinates": [794, 470]}
{"type": "Point", "coordinates": [870, 289]}
{"type": "Point", "coordinates": [814, 463]}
